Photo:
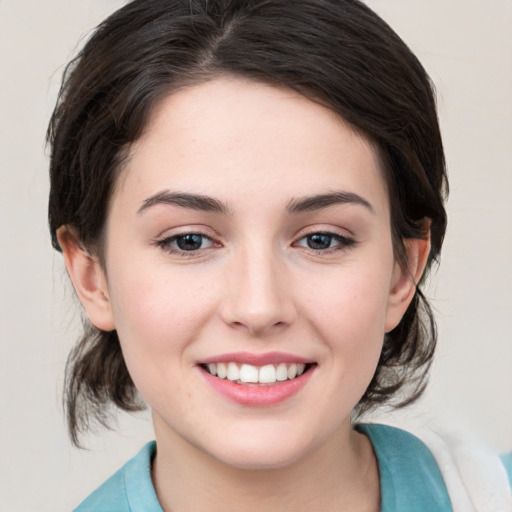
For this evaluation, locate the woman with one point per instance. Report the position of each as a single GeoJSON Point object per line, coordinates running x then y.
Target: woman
{"type": "Point", "coordinates": [247, 195]}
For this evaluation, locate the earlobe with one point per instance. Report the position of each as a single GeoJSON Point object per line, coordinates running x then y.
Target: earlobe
{"type": "Point", "coordinates": [404, 282]}
{"type": "Point", "coordinates": [88, 279]}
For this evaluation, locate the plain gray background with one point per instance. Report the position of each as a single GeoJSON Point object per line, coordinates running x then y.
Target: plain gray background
{"type": "Point", "coordinates": [466, 45]}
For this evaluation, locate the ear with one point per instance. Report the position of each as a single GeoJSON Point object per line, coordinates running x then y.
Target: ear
{"type": "Point", "coordinates": [88, 279]}
{"type": "Point", "coordinates": [404, 281]}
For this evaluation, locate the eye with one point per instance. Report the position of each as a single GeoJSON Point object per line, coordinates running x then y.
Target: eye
{"type": "Point", "coordinates": [185, 243]}
{"type": "Point", "coordinates": [324, 241]}
{"type": "Point", "coordinates": [190, 242]}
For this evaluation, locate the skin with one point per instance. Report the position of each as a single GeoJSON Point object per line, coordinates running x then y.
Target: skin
{"type": "Point", "coordinates": [253, 285]}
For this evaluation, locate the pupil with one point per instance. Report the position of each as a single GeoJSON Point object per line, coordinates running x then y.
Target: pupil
{"type": "Point", "coordinates": [319, 241]}
{"type": "Point", "coordinates": [189, 242]}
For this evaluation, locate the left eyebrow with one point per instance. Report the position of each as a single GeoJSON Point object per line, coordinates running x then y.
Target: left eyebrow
{"type": "Point", "coordinates": [321, 201]}
{"type": "Point", "coordinates": [192, 201]}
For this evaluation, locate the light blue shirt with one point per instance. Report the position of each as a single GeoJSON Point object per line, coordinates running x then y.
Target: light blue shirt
{"type": "Point", "coordinates": [409, 476]}
{"type": "Point", "coordinates": [507, 462]}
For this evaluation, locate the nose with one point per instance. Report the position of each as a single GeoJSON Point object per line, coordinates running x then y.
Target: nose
{"type": "Point", "coordinates": [258, 294]}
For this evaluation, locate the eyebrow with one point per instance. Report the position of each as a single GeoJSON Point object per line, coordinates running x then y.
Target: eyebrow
{"type": "Point", "coordinates": [318, 202]}
{"type": "Point", "coordinates": [192, 201]}
{"type": "Point", "coordinates": [295, 206]}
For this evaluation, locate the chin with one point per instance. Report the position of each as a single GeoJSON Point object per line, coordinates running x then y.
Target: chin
{"type": "Point", "coordinates": [268, 449]}
{"type": "Point", "coordinates": [249, 459]}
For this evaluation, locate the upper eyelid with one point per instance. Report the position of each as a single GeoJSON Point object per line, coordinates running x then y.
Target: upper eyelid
{"type": "Point", "coordinates": [312, 230]}
{"type": "Point", "coordinates": [184, 230]}
{"type": "Point", "coordinates": [334, 234]}
{"type": "Point", "coordinates": [186, 233]}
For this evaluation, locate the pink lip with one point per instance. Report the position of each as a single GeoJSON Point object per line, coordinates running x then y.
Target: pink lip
{"type": "Point", "coordinates": [256, 359]}
{"type": "Point", "coordinates": [255, 395]}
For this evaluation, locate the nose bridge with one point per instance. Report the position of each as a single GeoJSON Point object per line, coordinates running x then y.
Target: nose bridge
{"type": "Point", "coordinates": [257, 297]}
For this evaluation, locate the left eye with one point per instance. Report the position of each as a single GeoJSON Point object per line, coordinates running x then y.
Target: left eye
{"type": "Point", "coordinates": [324, 241]}
{"type": "Point", "coordinates": [188, 242]}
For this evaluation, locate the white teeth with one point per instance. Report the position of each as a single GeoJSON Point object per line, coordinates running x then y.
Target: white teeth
{"type": "Point", "coordinates": [233, 372]}
{"type": "Point", "coordinates": [222, 370]}
{"type": "Point", "coordinates": [247, 373]}
{"type": "Point", "coordinates": [267, 374]}
{"type": "Point", "coordinates": [281, 372]}
{"type": "Point", "coordinates": [292, 371]}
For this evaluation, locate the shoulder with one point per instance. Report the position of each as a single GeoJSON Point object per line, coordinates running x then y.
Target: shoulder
{"type": "Point", "coordinates": [450, 460]}
{"type": "Point", "coordinates": [110, 496]}
{"type": "Point", "coordinates": [391, 436]}
{"type": "Point", "coordinates": [506, 459]}
{"type": "Point", "coordinates": [394, 446]}
{"type": "Point", "coordinates": [410, 476]}
{"type": "Point", "coordinates": [130, 489]}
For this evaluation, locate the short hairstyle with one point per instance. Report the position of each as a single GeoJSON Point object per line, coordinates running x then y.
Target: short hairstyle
{"type": "Point", "coordinates": [338, 53]}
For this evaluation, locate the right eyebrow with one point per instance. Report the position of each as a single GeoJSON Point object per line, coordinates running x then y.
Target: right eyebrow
{"type": "Point", "coordinates": [185, 200]}
{"type": "Point", "coordinates": [321, 201]}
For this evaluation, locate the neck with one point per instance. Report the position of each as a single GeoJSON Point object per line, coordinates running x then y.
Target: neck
{"type": "Point", "coordinates": [339, 475]}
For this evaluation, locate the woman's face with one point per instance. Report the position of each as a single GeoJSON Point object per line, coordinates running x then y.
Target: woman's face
{"type": "Point", "coordinates": [250, 234]}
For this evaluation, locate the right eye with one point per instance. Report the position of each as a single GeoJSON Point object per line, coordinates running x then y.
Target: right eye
{"type": "Point", "coordinates": [185, 243]}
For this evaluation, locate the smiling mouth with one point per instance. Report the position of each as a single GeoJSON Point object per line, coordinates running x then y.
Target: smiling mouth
{"type": "Point", "coordinates": [248, 374]}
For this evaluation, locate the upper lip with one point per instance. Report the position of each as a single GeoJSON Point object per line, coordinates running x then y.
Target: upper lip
{"type": "Point", "coordinates": [256, 359]}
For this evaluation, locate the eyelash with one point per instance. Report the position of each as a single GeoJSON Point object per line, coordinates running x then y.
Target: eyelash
{"type": "Point", "coordinates": [343, 243]}
{"type": "Point", "coordinates": [166, 244]}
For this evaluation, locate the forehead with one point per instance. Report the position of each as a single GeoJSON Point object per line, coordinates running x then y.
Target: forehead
{"type": "Point", "coordinates": [231, 138]}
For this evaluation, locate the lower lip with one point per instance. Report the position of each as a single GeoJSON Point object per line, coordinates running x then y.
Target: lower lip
{"type": "Point", "coordinates": [255, 395]}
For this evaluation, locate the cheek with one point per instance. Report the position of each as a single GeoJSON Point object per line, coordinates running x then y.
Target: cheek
{"type": "Point", "coordinates": [346, 317]}
{"type": "Point", "coordinates": [350, 314]}
{"type": "Point", "coordinates": [157, 316]}
{"type": "Point", "coordinates": [152, 300]}
{"type": "Point", "coordinates": [353, 306]}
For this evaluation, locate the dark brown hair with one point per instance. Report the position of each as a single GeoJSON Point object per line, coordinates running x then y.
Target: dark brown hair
{"type": "Point", "coordinates": [335, 52]}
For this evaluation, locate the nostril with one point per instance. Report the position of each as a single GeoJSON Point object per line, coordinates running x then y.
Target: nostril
{"type": "Point", "coordinates": [257, 324]}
